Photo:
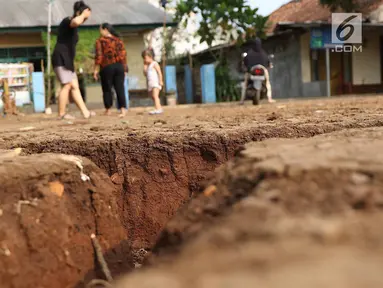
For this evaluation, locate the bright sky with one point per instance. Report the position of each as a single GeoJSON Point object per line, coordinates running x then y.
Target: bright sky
{"type": "Point", "coordinates": [268, 6]}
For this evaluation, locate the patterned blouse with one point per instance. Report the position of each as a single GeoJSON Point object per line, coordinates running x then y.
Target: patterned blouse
{"type": "Point", "coordinates": [110, 50]}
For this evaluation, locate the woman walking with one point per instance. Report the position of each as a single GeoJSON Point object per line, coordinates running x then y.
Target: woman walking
{"type": "Point", "coordinates": [111, 64]}
{"type": "Point", "coordinates": [63, 60]}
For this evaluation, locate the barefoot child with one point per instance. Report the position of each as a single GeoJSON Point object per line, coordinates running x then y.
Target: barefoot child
{"type": "Point", "coordinates": [152, 71]}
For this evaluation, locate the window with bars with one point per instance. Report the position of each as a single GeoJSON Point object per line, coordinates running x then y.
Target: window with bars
{"type": "Point", "coordinates": [4, 53]}
{"type": "Point", "coordinates": [31, 53]}
{"type": "Point", "coordinates": [37, 52]}
{"type": "Point", "coordinates": [18, 52]}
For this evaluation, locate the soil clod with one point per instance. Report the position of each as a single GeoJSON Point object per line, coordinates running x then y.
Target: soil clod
{"type": "Point", "coordinates": [52, 227]}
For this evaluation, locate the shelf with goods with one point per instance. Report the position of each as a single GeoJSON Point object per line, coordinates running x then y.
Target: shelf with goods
{"type": "Point", "coordinates": [19, 80]}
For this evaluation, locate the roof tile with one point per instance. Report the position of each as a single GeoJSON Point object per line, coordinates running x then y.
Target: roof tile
{"type": "Point", "coordinates": [303, 11]}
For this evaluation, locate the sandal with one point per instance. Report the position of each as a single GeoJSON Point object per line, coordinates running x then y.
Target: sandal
{"type": "Point", "coordinates": [91, 114]}
{"type": "Point", "coordinates": [156, 112]}
{"type": "Point", "coordinates": [67, 117]}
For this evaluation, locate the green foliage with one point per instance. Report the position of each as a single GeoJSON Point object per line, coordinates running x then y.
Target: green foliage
{"type": "Point", "coordinates": [344, 5]}
{"type": "Point", "coordinates": [44, 36]}
{"type": "Point", "coordinates": [85, 51]}
{"type": "Point", "coordinates": [231, 19]}
{"type": "Point", "coordinates": [85, 48]}
{"type": "Point", "coordinates": [225, 86]}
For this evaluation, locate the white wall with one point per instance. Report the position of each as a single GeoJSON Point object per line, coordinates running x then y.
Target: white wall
{"type": "Point", "coordinates": [185, 40]}
{"type": "Point", "coordinates": [366, 65]}
{"type": "Point", "coordinates": [305, 58]}
{"type": "Point", "coordinates": [134, 46]}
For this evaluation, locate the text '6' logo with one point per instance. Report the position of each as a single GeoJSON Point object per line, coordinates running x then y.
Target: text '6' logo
{"type": "Point", "coordinates": [344, 25]}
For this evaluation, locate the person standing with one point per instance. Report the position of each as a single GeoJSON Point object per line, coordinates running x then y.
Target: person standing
{"type": "Point", "coordinates": [155, 82]}
{"type": "Point", "coordinates": [110, 63]}
{"type": "Point", "coordinates": [63, 60]}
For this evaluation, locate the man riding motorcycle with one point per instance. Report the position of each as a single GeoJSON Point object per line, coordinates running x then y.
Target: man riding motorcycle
{"type": "Point", "coordinates": [256, 56]}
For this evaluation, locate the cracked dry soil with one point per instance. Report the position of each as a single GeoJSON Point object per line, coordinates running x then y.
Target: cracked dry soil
{"type": "Point", "coordinates": [154, 165]}
{"type": "Point", "coordinates": [301, 213]}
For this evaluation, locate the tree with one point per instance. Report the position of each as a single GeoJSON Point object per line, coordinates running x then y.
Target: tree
{"type": "Point", "coordinates": [344, 5]}
{"type": "Point", "coordinates": [223, 19]}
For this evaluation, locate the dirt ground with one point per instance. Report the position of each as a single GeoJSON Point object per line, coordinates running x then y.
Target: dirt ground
{"type": "Point", "coordinates": [302, 213]}
{"type": "Point", "coordinates": [48, 213]}
{"type": "Point", "coordinates": [157, 163]}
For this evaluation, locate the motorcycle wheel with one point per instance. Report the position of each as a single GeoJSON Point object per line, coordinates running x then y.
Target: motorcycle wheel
{"type": "Point", "coordinates": [250, 93]}
{"type": "Point", "coordinates": [257, 97]}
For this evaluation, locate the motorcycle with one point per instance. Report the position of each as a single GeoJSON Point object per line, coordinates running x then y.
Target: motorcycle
{"type": "Point", "coordinates": [256, 84]}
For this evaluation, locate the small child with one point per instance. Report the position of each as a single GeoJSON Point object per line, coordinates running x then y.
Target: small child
{"type": "Point", "coordinates": [153, 73]}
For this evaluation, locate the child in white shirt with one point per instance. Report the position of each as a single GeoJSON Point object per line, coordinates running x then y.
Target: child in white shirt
{"type": "Point", "coordinates": [153, 73]}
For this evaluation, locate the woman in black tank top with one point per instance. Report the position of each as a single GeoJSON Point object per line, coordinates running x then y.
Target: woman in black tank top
{"type": "Point", "coordinates": [63, 59]}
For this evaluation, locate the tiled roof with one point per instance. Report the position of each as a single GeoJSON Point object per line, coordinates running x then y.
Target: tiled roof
{"type": "Point", "coordinates": [304, 11]}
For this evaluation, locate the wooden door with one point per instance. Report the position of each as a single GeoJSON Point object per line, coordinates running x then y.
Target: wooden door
{"type": "Point", "coordinates": [336, 72]}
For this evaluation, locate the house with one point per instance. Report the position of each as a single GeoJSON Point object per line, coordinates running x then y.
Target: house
{"type": "Point", "coordinates": [22, 23]}
{"type": "Point", "coordinates": [300, 68]}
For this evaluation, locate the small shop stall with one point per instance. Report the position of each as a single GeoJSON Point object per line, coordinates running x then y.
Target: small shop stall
{"type": "Point", "coordinates": [19, 79]}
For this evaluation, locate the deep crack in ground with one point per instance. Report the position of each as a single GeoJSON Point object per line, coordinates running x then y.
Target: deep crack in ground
{"type": "Point", "coordinates": [163, 164]}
